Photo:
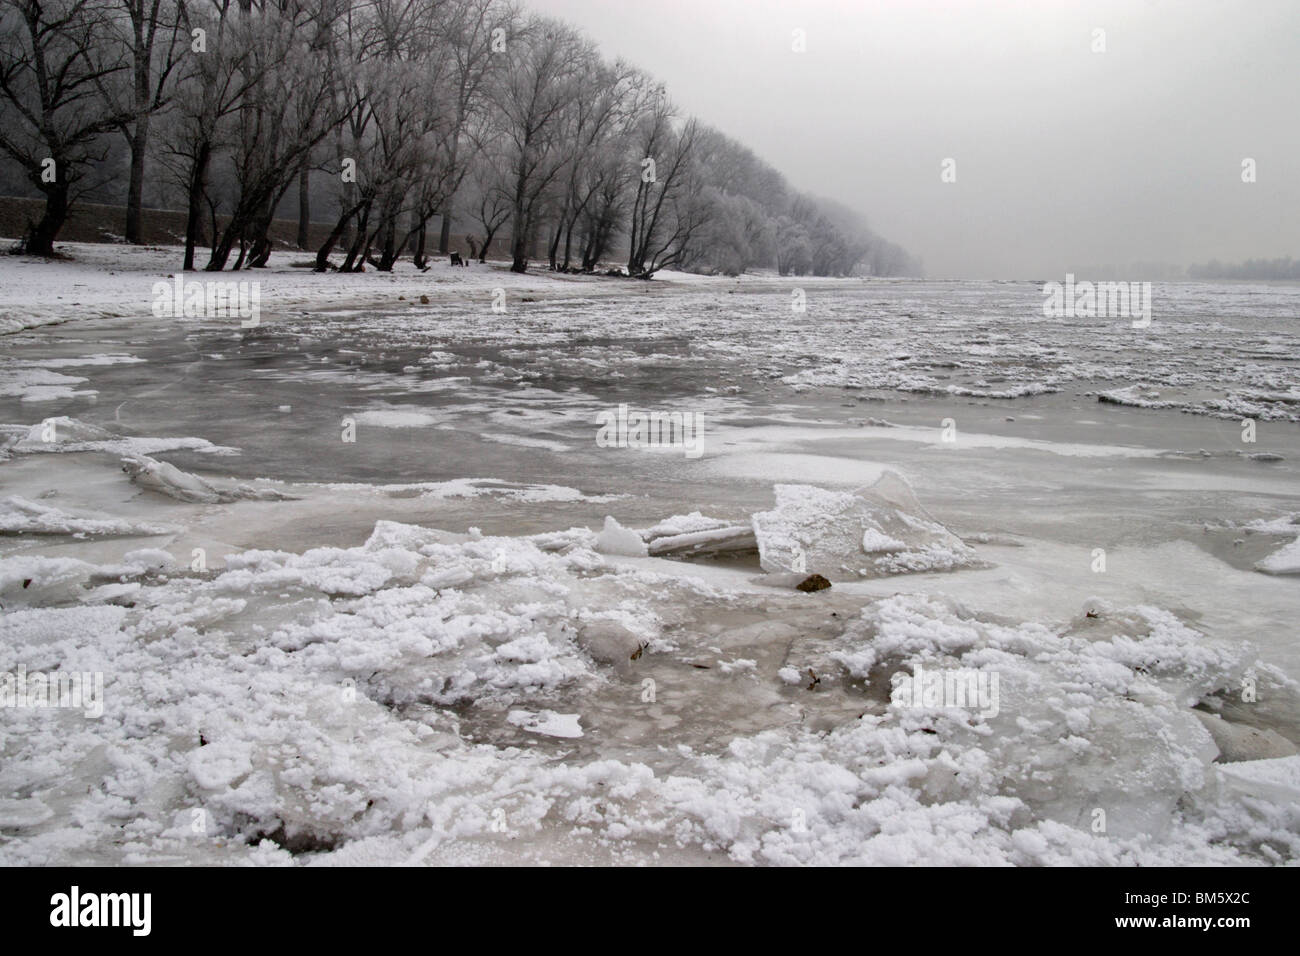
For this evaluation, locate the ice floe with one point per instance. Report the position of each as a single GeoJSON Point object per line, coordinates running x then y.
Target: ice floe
{"type": "Point", "coordinates": [875, 531]}
{"type": "Point", "coordinates": [65, 434]}
{"type": "Point", "coordinates": [20, 516]}
{"type": "Point", "coordinates": [166, 479]}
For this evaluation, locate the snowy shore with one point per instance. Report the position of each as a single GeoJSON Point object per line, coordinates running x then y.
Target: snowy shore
{"type": "Point", "coordinates": [100, 280]}
{"type": "Point", "coordinates": [474, 634]}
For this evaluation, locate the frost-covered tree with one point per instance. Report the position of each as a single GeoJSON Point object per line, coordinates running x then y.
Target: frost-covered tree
{"type": "Point", "coordinates": [387, 114]}
{"type": "Point", "coordinates": [284, 112]}
{"type": "Point", "coordinates": [56, 56]}
{"type": "Point", "coordinates": [667, 210]}
{"type": "Point", "coordinates": [152, 33]}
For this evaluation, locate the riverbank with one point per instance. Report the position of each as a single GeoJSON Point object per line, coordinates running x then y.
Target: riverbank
{"type": "Point", "coordinates": [116, 281]}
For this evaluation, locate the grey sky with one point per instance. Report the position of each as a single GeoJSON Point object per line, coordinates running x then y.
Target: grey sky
{"type": "Point", "coordinates": [1065, 158]}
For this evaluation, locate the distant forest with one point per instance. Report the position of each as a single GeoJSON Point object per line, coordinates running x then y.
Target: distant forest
{"type": "Point", "coordinates": [379, 117]}
{"type": "Point", "coordinates": [1287, 268]}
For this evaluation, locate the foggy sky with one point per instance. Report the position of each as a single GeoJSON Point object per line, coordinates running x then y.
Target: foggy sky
{"type": "Point", "coordinates": [1066, 159]}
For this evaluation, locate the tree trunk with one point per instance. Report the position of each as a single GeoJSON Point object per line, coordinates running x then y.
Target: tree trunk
{"type": "Point", "coordinates": [568, 244]}
{"type": "Point", "coordinates": [261, 252]}
{"type": "Point", "coordinates": [519, 224]}
{"type": "Point", "coordinates": [356, 257]}
{"type": "Point", "coordinates": [327, 247]}
{"type": "Point", "coordinates": [444, 234]}
{"type": "Point", "coordinates": [40, 241]}
{"type": "Point", "coordinates": [519, 245]}
{"type": "Point", "coordinates": [223, 247]}
{"type": "Point", "coordinates": [135, 186]}
{"type": "Point", "coordinates": [421, 238]}
{"type": "Point", "coordinates": [304, 207]}
{"type": "Point", "coordinates": [389, 249]}
{"type": "Point", "coordinates": [198, 182]}
{"type": "Point", "coordinates": [553, 250]}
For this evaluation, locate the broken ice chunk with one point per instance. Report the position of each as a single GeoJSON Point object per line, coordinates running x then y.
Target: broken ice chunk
{"type": "Point", "coordinates": [616, 539]}
{"type": "Point", "coordinates": [546, 722]}
{"type": "Point", "coordinates": [1277, 780]}
{"type": "Point", "coordinates": [873, 540]}
{"type": "Point", "coordinates": [1285, 560]}
{"type": "Point", "coordinates": [20, 516]}
{"type": "Point", "coordinates": [875, 531]}
{"type": "Point", "coordinates": [713, 541]}
{"type": "Point", "coordinates": [166, 479]}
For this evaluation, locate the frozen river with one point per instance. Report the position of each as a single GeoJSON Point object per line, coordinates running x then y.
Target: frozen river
{"type": "Point", "coordinates": [1120, 493]}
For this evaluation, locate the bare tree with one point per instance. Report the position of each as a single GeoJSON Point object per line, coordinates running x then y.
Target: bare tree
{"type": "Point", "coordinates": [473, 31]}
{"type": "Point", "coordinates": [418, 105]}
{"type": "Point", "coordinates": [607, 100]}
{"type": "Point", "coordinates": [490, 181]}
{"type": "Point", "coordinates": [530, 97]}
{"type": "Point", "coordinates": [281, 117]}
{"type": "Point", "coordinates": [665, 213]}
{"type": "Point", "coordinates": [397, 131]}
{"type": "Point", "coordinates": [54, 61]}
{"type": "Point", "coordinates": [151, 32]}
{"type": "Point", "coordinates": [611, 178]}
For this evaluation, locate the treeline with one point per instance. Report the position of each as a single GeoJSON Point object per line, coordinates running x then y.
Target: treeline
{"type": "Point", "coordinates": [1287, 268]}
{"type": "Point", "coordinates": [391, 113]}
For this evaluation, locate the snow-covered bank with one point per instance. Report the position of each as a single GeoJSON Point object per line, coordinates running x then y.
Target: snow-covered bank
{"type": "Point", "coordinates": [99, 280]}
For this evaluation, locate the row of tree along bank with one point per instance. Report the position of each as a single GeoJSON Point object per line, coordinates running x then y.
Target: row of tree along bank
{"type": "Point", "coordinates": [384, 117]}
